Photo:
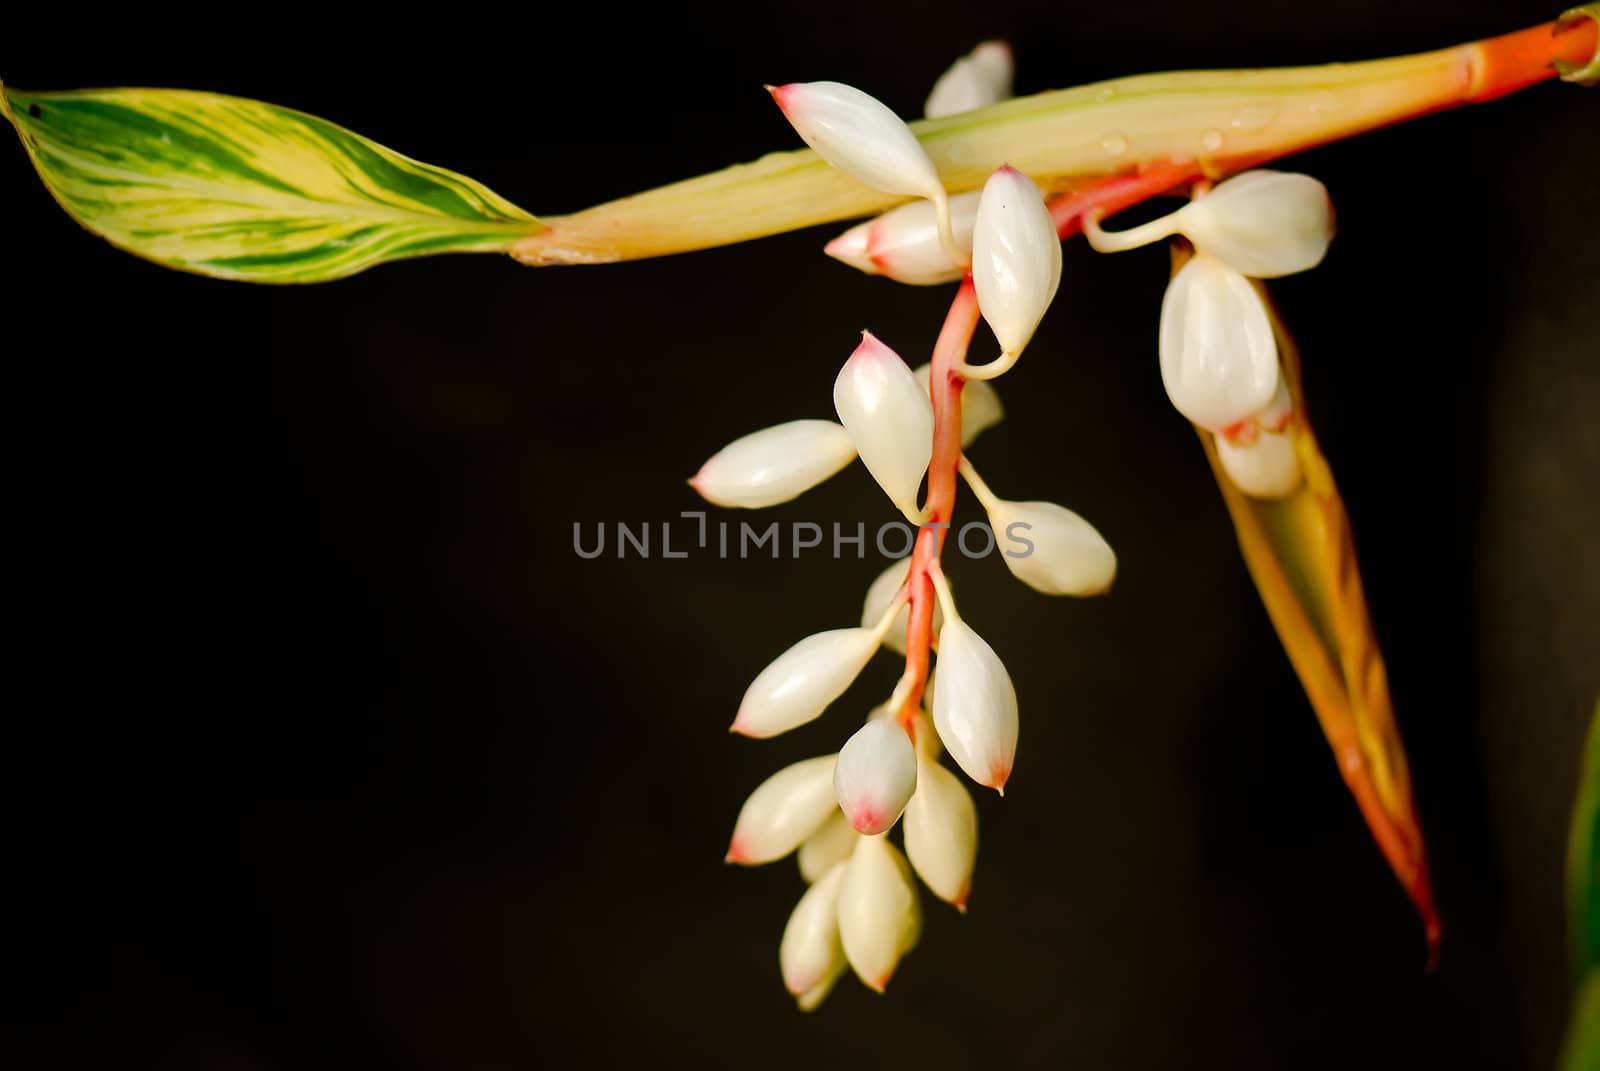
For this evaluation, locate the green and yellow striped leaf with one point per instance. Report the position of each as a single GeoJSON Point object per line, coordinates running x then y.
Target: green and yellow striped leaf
{"type": "Point", "coordinates": [239, 189]}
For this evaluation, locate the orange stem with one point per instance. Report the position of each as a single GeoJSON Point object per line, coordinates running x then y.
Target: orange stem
{"type": "Point", "coordinates": [944, 388]}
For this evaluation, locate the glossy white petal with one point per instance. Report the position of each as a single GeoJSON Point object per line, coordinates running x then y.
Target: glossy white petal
{"type": "Point", "coordinates": [889, 418]}
{"type": "Point", "coordinates": [802, 681]}
{"type": "Point", "coordinates": [880, 917]}
{"type": "Point", "coordinates": [1052, 549]}
{"type": "Point", "coordinates": [1276, 416]}
{"type": "Point", "coordinates": [942, 833]}
{"type": "Point", "coordinates": [975, 709]}
{"type": "Point", "coordinates": [1262, 223]}
{"type": "Point", "coordinates": [1016, 257]}
{"type": "Point", "coordinates": [980, 78]}
{"type": "Point", "coordinates": [810, 951]}
{"type": "Point", "coordinates": [832, 843]}
{"type": "Point", "coordinates": [980, 404]}
{"type": "Point", "coordinates": [858, 134]}
{"type": "Point", "coordinates": [1268, 468]}
{"type": "Point", "coordinates": [881, 593]}
{"type": "Point", "coordinates": [875, 776]}
{"type": "Point", "coordinates": [903, 243]}
{"type": "Point", "coordinates": [774, 464]}
{"type": "Point", "coordinates": [783, 811]}
{"type": "Point", "coordinates": [1219, 361]}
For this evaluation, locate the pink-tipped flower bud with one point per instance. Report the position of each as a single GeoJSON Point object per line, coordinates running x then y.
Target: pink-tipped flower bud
{"type": "Point", "coordinates": [1219, 361]}
{"type": "Point", "coordinates": [980, 404]}
{"type": "Point", "coordinates": [942, 832]}
{"type": "Point", "coordinates": [832, 843]}
{"type": "Point", "coordinates": [980, 78]}
{"type": "Point", "coordinates": [1052, 549]}
{"type": "Point", "coordinates": [1262, 223]}
{"type": "Point", "coordinates": [1267, 468]}
{"type": "Point", "coordinates": [903, 243]}
{"type": "Point", "coordinates": [810, 951]}
{"type": "Point", "coordinates": [880, 917]}
{"type": "Point", "coordinates": [774, 464]}
{"type": "Point", "coordinates": [801, 682]}
{"type": "Point", "coordinates": [975, 709]}
{"type": "Point", "coordinates": [881, 593]}
{"type": "Point", "coordinates": [783, 811]}
{"type": "Point", "coordinates": [859, 135]}
{"type": "Point", "coordinates": [875, 776]}
{"type": "Point", "coordinates": [1016, 258]}
{"type": "Point", "coordinates": [889, 418]}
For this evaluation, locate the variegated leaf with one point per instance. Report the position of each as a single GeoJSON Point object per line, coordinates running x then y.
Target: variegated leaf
{"type": "Point", "coordinates": [239, 189]}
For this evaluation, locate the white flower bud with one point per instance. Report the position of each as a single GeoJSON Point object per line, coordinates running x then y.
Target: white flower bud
{"type": "Point", "coordinates": [875, 776]}
{"type": "Point", "coordinates": [903, 243]}
{"type": "Point", "coordinates": [1052, 549]}
{"type": "Point", "coordinates": [1279, 411]}
{"type": "Point", "coordinates": [980, 78]}
{"type": "Point", "coordinates": [889, 418]}
{"type": "Point", "coordinates": [880, 917]}
{"type": "Point", "coordinates": [1262, 223]}
{"type": "Point", "coordinates": [980, 404]}
{"type": "Point", "coordinates": [1016, 258]}
{"type": "Point", "coordinates": [942, 832]}
{"type": "Point", "coordinates": [812, 998]}
{"type": "Point", "coordinates": [801, 682]}
{"type": "Point", "coordinates": [774, 464]}
{"type": "Point", "coordinates": [784, 810]}
{"type": "Point", "coordinates": [810, 950]}
{"type": "Point", "coordinates": [832, 843]}
{"type": "Point", "coordinates": [975, 709]}
{"type": "Point", "coordinates": [1267, 468]}
{"type": "Point", "coordinates": [881, 593]}
{"type": "Point", "coordinates": [924, 736]}
{"type": "Point", "coordinates": [1219, 361]}
{"type": "Point", "coordinates": [859, 135]}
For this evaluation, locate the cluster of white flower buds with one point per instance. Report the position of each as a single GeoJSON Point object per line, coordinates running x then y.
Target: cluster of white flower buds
{"type": "Point", "coordinates": [1219, 357]}
{"type": "Point", "coordinates": [861, 910]}
{"type": "Point", "coordinates": [1220, 364]}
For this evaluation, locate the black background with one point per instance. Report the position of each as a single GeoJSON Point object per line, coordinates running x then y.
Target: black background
{"type": "Point", "coordinates": [328, 751]}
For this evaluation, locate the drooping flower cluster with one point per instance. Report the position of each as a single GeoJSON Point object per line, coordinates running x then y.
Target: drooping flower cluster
{"type": "Point", "coordinates": [1220, 364]}
{"type": "Point", "coordinates": [861, 909]}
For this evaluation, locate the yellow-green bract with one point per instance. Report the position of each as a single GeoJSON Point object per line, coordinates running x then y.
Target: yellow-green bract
{"type": "Point", "coordinates": [240, 189]}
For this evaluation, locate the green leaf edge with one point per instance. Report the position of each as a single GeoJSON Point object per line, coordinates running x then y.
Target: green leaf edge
{"type": "Point", "coordinates": [1583, 859]}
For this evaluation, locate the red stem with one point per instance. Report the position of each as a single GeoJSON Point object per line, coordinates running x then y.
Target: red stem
{"type": "Point", "coordinates": [944, 387]}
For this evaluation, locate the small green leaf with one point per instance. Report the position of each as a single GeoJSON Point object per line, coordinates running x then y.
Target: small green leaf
{"type": "Point", "coordinates": [239, 189]}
